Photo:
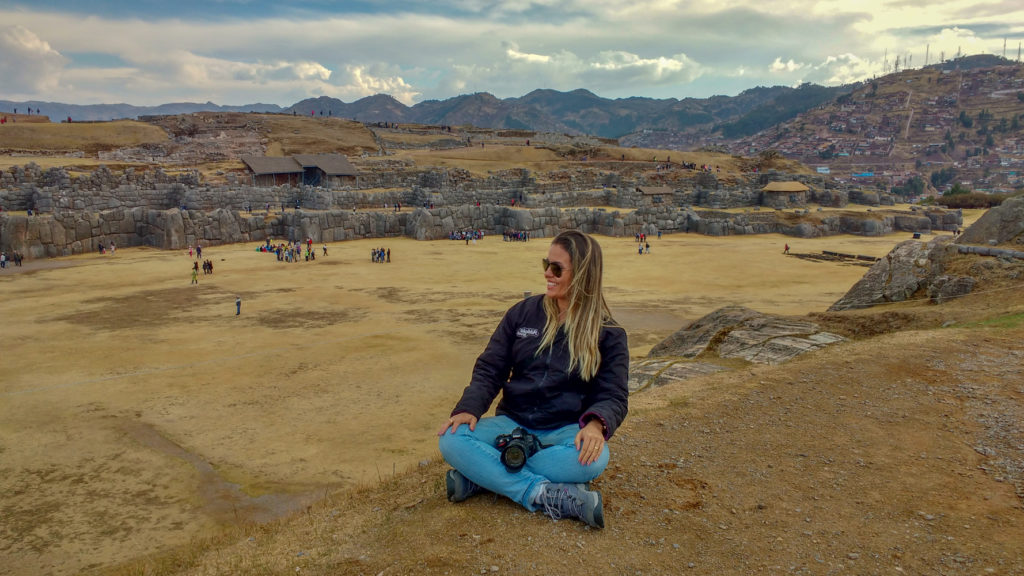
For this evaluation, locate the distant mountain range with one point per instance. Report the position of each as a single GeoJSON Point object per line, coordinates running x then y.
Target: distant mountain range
{"type": "Point", "coordinates": [634, 120]}
{"type": "Point", "coordinates": [575, 112]}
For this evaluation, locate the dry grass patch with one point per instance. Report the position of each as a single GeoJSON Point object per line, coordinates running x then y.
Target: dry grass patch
{"type": "Point", "coordinates": [285, 400]}
{"type": "Point", "coordinates": [418, 138]}
{"type": "Point", "coordinates": [482, 160]}
{"type": "Point", "coordinates": [89, 138]}
{"type": "Point", "coordinates": [75, 166]}
{"type": "Point", "coordinates": [289, 135]}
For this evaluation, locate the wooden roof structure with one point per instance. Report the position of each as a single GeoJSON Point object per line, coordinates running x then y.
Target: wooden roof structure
{"type": "Point", "coordinates": [788, 186]}
{"type": "Point", "coordinates": [272, 165]}
{"type": "Point", "coordinates": [330, 164]}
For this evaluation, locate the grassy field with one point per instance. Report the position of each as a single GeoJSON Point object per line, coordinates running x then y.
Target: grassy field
{"type": "Point", "coordinates": [86, 137]}
{"type": "Point", "coordinates": [289, 135]}
{"type": "Point", "coordinates": [168, 415]}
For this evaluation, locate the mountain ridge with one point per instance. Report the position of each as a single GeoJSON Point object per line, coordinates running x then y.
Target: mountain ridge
{"type": "Point", "coordinates": [576, 112]}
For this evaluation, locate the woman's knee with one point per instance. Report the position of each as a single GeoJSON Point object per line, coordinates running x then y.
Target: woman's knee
{"type": "Point", "coordinates": [449, 442]}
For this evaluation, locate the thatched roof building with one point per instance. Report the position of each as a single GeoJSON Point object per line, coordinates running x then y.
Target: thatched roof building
{"type": "Point", "coordinates": [655, 194]}
{"type": "Point", "coordinates": [784, 194]}
{"type": "Point", "coordinates": [787, 187]}
{"type": "Point", "coordinates": [326, 170]}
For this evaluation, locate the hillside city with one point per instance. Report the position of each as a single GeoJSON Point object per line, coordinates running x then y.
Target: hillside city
{"type": "Point", "coordinates": [962, 124]}
{"type": "Point", "coordinates": [915, 133]}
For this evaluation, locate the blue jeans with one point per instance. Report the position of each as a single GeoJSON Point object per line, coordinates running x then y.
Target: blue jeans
{"type": "Point", "coordinates": [473, 454]}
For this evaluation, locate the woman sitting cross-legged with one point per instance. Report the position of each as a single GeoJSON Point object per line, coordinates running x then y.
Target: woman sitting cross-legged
{"type": "Point", "coordinates": [561, 364]}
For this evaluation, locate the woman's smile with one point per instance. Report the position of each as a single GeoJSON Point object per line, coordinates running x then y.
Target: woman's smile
{"type": "Point", "coordinates": [558, 286]}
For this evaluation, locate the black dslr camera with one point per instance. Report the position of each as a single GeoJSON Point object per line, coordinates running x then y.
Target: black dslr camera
{"type": "Point", "coordinates": [516, 447]}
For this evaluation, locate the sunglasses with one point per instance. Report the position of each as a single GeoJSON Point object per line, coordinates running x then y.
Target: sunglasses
{"type": "Point", "coordinates": [556, 268]}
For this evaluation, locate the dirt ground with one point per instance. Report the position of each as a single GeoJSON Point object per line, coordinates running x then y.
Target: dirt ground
{"type": "Point", "coordinates": [140, 416]}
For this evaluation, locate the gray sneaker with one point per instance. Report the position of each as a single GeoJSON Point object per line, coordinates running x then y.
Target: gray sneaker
{"type": "Point", "coordinates": [572, 501]}
{"type": "Point", "coordinates": [460, 487]}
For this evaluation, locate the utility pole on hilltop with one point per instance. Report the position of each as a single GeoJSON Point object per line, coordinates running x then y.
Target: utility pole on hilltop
{"type": "Point", "coordinates": [926, 49]}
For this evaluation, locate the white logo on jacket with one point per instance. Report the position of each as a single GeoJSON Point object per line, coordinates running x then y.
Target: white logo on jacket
{"type": "Point", "coordinates": [526, 332]}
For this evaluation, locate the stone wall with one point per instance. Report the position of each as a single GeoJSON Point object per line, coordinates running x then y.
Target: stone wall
{"type": "Point", "coordinates": [172, 211]}
{"type": "Point", "coordinates": [589, 184]}
{"type": "Point", "coordinates": [68, 232]}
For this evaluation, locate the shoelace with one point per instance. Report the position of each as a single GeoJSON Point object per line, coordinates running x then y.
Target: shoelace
{"type": "Point", "coordinates": [559, 504]}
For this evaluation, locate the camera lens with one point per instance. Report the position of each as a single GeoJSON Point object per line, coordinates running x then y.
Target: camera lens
{"type": "Point", "coordinates": [513, 457]}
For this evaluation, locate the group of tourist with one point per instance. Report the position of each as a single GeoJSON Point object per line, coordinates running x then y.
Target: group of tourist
{"type": "Point", "coordinates": [292, 251]}
{"type": "Point", "coordinates": [466, 235]}
{"type": "Point", "coordinates": [104, 249]}
{"type": "Point", "coordinates": [380, 255]}
{"type": "Point", "coordinates": [642, 245]}
{"type": "Point", "coordinates": [511, 235]}
{"type": "Point", "coordinates": [14, 258]}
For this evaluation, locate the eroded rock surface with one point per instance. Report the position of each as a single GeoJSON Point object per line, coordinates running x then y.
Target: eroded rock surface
{"type": "Point", "coordinates": [1000, 225]}
{"type": "Point", "coordinates": [730, 332]}
{"type": "Point", "coordinates": [909, 267]}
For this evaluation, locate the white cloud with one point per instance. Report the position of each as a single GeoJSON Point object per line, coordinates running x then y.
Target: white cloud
{"type": "Point", "coordinates": [676, 68]}
{"type": "Point", "coordinates": [789, 66]}
{"type": "Point", "coordinates": [512, 51]}
{"type": "Point", "coordinates": [28, 65]}
{"type": "Point", "coordinates": [845, 69]}
{"type": "Point", "coordinates": [361, 81]}
{"type": "Point", "coordinates": [439, 49]}
{"type": "Point", "coordinates": [566, 70]}
{"type": "Point", "coordinates": [953, 40]}
{"type": "Point", "coordinates": [832, 71]}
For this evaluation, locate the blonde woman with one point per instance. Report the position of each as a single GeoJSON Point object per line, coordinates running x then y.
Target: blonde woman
{"type": "Point", "coordinates": [561, 364]}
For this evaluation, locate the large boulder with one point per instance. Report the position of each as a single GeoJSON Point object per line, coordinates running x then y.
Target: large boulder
{"type": "Point", "coordinates": [1000, 225]}
{"type": "Point", "coordinates": [907, 268]}
{"type": "Point", "coordinates": [738, 332]}
{"type": "Point", "coordinates": [946, 288]}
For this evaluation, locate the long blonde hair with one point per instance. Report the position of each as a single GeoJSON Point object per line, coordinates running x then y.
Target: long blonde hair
{"type": "Point", "coordinates": [587, 312]}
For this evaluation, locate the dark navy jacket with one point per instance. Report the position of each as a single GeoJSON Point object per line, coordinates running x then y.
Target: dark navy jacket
{"type": "Point", "coordinates": [537, 392]}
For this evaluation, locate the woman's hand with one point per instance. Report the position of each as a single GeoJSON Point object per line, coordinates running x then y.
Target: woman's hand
{"type": "Point", "coordinates": [457, 420]}
{"type": "Point", "coordinates": [590, 442]}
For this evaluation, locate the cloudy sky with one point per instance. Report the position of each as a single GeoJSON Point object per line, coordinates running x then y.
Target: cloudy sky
{"type": "Point", "coordinates": [148, 52]}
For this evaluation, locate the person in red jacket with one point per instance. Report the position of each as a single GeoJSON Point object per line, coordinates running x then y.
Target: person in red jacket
{"type": "Point", "coordinates": [561, 364]}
